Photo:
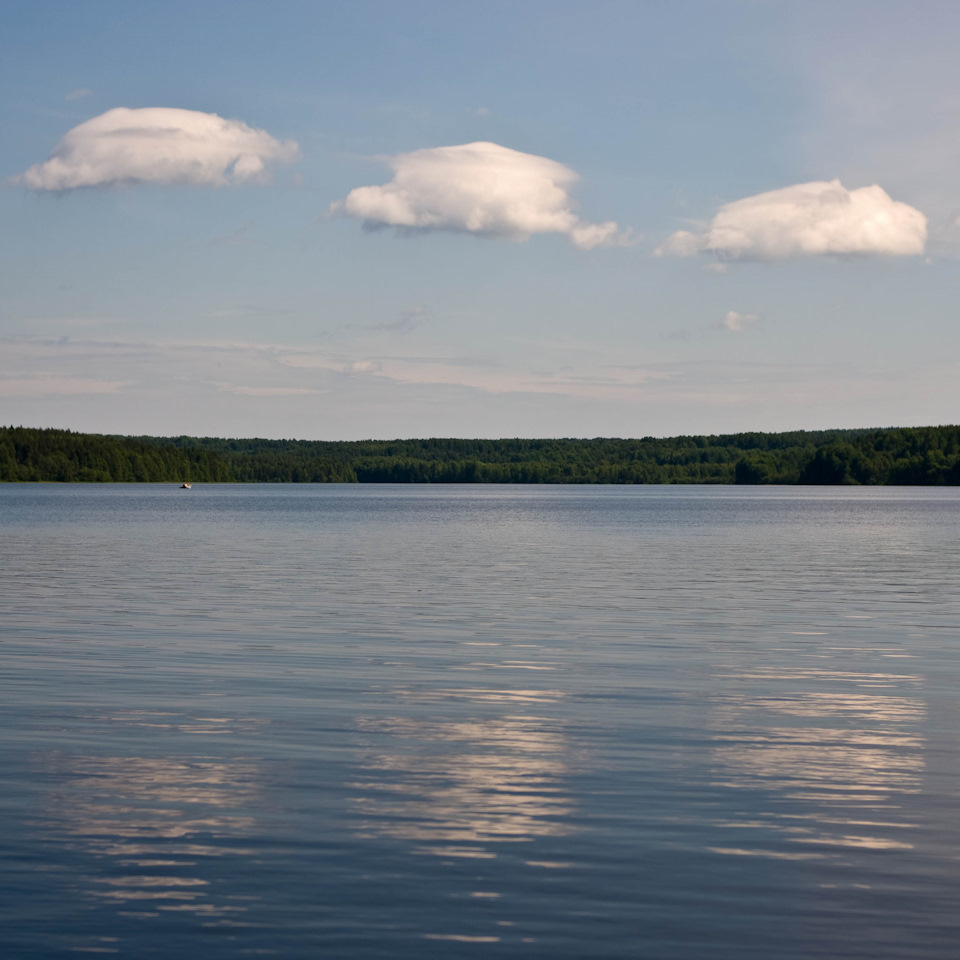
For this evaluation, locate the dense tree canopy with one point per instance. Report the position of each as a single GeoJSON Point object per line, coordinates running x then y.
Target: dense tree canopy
{"type": "Point", "coordinates": [915, 455]}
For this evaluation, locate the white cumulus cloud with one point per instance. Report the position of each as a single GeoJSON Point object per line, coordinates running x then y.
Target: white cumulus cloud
{"type": "Point", "coordinates": [807, 220]}
{"type": "Point", "coordinates": [479, 188]}
{"type": "Point", "coordinates": [158, 145]}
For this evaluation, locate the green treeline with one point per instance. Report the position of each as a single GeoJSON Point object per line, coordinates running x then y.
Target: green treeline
{"type": "Point", "coordinates": [914, 455]}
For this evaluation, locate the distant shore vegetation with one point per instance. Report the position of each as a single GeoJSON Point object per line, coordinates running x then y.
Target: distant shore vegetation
{"type": "Point", "coordinates": [887, 456]}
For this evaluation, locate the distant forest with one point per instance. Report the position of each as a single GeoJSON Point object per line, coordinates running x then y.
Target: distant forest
{"type": "Point", "coordinates": [914, 455]}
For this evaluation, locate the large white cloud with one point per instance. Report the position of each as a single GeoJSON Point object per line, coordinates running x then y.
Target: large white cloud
{"type": "Point", "coordinates": [479, 188]}
{"type": "Point", "coordinates": [807, 220]}
{"type": "Point", "coordinates": [158, 145]}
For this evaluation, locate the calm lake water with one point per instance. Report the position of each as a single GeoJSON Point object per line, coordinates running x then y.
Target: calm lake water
{"type": "Point", "coordinates": [443, 722]}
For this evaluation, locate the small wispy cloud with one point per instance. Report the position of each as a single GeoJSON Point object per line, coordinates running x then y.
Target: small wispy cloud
{"type": "Point", "coordinates": [244, 391]}
{"type": "Point", "coordinates": [363, 366]}
{"type": "Point", "coordinates": [407, 322]}
{"type": "Point", "coordinates": [734, 322]}
{"type": "Point", "coordinates": [79, 94]}
{"type": "Point", "coordinates": [248, 311]}
{"type": "Point", "coordinates": [234, 238]}
{"type": "Point", "coordinates": [57, 386]}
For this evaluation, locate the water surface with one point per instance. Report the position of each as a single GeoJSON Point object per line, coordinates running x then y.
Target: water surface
{"type": "Point", "coordinates": [449, 721]}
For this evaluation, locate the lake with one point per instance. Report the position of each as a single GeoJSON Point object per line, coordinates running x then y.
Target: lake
{"type": "Point", "coordinates": [687, 723]}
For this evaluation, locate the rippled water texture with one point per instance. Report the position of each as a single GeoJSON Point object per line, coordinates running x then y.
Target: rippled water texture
{"type": "Point", "coordinates": [432, 722]}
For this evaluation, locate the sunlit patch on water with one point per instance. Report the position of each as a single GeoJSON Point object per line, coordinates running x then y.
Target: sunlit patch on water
{"type": "Point", "coordinates": [151, 824]}
{"type": "Point", "coordinates": [456, 782]}
{"type": "Point", "coordinates": [809, 737]}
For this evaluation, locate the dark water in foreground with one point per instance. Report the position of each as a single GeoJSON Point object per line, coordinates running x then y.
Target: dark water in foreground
{"type": "Point", "coordinates": [432, 722]}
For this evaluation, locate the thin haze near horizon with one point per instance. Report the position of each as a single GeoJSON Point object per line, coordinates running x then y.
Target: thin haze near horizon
{"type": "Point", "coordinates": [337, 220]}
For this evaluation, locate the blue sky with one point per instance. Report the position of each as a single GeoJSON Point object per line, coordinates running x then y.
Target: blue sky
{"type": "Point", "coordinates": [285, 232]}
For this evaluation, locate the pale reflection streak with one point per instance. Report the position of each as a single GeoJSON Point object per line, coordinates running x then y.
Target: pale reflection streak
{"type": "Point", "coordinates": [481, 695]}
{"type": "Point", "coordinates": [154, 821]}
{"type": "Point", "coordinates": [501, 782]}
{"type": "Point", "coordinates": [829, 759]}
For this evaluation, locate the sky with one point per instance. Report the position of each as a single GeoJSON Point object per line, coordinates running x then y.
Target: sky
{"type": "Point", "coordinates": [366, 219]}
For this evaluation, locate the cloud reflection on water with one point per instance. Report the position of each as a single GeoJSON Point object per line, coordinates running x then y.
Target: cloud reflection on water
{"type": "Point", "coordinates": [154, 824]}
{"type": "Point", "coordinates": [456, 786]}
{"type": "Point", "coordinates": [834, 756]}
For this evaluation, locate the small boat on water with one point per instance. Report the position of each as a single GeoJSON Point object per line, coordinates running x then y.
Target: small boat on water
{"type": "Point", "coordinates": [186, 486]}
